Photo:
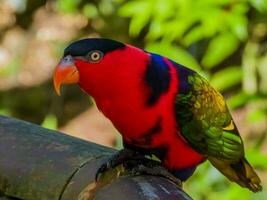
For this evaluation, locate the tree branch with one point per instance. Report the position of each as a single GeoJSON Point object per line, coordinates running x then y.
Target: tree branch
{"type": "Point", "coordinates": [37, 163]}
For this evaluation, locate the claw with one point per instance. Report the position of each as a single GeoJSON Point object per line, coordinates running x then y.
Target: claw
{"type": "Point", "coordinates": [110, 164]}
{"type": "Point", "coordinates": [156, 171]}
{"type": "Point", "coordinates": [101, 170]}
{"type": "Point", "coordinates": [136, 163]}
{"type": "Point", "coordinates": [117, 159]}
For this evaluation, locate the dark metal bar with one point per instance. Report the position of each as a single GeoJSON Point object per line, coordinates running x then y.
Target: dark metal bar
{"type": "Point", "coordinates": [37, 163]}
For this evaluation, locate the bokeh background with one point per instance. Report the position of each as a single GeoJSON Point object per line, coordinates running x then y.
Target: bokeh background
{"type": "Point", "coordinates": [224, 40]}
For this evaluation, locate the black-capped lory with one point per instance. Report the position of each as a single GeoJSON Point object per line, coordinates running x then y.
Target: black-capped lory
{"type": "Point", "coordinates": [159, 107]}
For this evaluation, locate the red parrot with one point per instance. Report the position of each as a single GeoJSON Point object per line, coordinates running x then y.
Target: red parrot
{"type": "Point", "coordinates": [159, 107]}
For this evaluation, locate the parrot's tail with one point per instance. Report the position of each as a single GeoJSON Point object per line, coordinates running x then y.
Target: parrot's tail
{"type": "Point", "coordinates": [240, 172]}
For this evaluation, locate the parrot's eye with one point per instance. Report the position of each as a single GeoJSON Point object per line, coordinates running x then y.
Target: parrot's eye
{"type": "Point", "coordinates": [94, 56]}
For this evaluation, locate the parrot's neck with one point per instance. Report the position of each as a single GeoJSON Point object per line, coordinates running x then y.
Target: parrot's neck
{"type": "Point", "coordinates": [120, 92]}
{"type": "Point", "coordinates": [123, 101]}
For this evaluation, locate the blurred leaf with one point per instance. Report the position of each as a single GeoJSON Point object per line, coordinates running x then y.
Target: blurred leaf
{"type": "Point", "coordinates": [237, 100]}
{"type": "Point", "coordinates": [262, 68]}
{"type": "Point", "coordinates": [257, 115]}
{"type": "Point", "coordinates": [249, 63]}
{"type": "Point", "coordinates": [175, 53]}
{"type": "Point", "coordinates": [260, 5]}
{"type": "Point", "coordinates": [212, 20]}
{"type": "Point", "coordinates": [194, 35]}
{"type": "Point", "coordinates": [164, 9]}
{"type": "Point", "coordinates": [68, 6]}
{"type": "Point", "coordinates": [50, 122]}
{"type": "Point", "coordinates": [219, 48]}
{"type": "Point", "coordinates": [175, 29]}
{"type": "Point", "coordinates": [106, 7]}
{"type": "Point", "coordinates": [257, 158]}
{"type": "Point", "coordinates": [155, 30]}
{"type": "Point", "coordinates": [238, 20]}
{"type": "Point", "coordinates": [140, 12]}
{"type": "Point", "coordinates": [233, 192]}
{"type": "Point", "coordinates": [90, 10]}
{"type": "Point", "coordinates": [226, 78]}
{"type": "Point", "coordinates": [12, 68]}
{"type": "Point", "coordinates": [238, 24]}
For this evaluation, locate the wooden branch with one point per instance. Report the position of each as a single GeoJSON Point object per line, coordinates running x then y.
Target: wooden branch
{"type": "Point", "coordinates": [37, 163]}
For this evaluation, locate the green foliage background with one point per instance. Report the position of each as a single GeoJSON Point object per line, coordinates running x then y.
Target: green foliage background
{"type": "Point", "coordinates": [224, 40]}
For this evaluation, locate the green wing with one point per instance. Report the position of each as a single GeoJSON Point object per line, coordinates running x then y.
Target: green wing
{"type": "Point", "coordinates": [205, 121]}
{"type": "Point", "coordinates": [208, 127]}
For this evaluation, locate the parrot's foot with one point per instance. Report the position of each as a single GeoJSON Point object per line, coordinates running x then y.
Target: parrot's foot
{"type": "Point", "coordinates": [120, 157]}
{"type": "Point", "coordinates": [156, 171]}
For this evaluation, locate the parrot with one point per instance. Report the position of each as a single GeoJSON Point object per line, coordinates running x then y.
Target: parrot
{"type": "Point", "coordinates": [159, 107]}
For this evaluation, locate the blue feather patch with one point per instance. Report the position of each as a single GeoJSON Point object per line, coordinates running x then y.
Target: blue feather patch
{"type": "Point", "coordinates": [157, 77]}
{"type": "Point", "coordinates": [183, 73]}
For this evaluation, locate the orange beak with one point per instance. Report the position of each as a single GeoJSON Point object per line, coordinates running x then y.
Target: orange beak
{"type": "Point", "coordinates": [65, 73]}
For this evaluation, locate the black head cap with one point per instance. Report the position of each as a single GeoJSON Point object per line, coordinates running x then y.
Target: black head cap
{"type": "Point", "coordinates": [82, 47]}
